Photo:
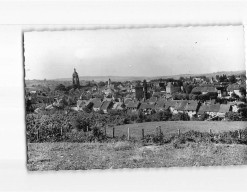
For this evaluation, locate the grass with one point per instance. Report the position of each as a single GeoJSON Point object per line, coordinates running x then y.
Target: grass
{"type": "Point", "coordinates": [173, 126]}
{"type": "Point", "coordinates": [82, 156]}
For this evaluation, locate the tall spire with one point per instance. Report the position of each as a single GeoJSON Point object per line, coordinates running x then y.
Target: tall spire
{"type": "Point", "coordinates": [75, 79]}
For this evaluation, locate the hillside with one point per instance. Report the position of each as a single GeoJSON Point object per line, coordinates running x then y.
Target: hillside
{"type": "Point", "coordinates": [131, 78]}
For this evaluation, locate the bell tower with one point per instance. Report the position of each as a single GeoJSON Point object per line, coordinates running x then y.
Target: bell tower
{"type": "Point", "coordinates": [75, 79]}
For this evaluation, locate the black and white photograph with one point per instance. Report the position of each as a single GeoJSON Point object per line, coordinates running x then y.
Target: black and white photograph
{"type": "Point", "coordinates": [135, 97]}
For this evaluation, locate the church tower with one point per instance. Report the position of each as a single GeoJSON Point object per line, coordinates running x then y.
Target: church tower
{"type": "Point", "coordinates": [75, 79]}
{"type": "Point", "coordinates": [109, 83]}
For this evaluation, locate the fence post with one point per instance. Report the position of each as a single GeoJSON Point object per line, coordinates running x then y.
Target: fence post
{"type": "Point", "coordinates": [87, 128]}
{"type": "Point", "coordinates": [105, 130]}
{"type": "Point", "coordinates": [113, 132]}
{"type": "Point", "coordinates": [210, 131]}
{"type": "Point", "coordinates": [61, 131]}
{"type": "Point", "coordinates": [239, 134]}
{"type": "Point", "coordinates": [38, 135]}
{"type": "Point", "coordinates": [178, 132]}
{"type": "Point", "coordinates": [128, 137]}
{"type": "Point", "coordinates": [142, 133]}
{"type": "Point", "coordinates": [160, 130]}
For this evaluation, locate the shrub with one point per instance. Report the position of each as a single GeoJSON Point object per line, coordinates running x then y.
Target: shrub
{"type": "Point", "coordinates": [233, 116]}
{"type": "Point", "coordinates": [180, 116]}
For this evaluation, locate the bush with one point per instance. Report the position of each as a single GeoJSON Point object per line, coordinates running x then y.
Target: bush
{"type": "Point", "coordinates": [60, 87]}
{"type": "Point", "coordinates": [180, 117]}
{"type": "Point", "coordinates": [233, 116]}
{"type": "Point", "coordinates": [81, 124]}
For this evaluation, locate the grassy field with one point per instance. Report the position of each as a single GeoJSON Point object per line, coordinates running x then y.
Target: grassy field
{"type": "Point", "coordinates": [173, 126]}
{"type": "Point", "coordinates": [75, 156]}
{"type": "Point", "coordinates": [124, 154]}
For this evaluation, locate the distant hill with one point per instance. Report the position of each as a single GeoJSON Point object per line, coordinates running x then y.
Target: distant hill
{"type": "Point", "coordinates": [105, 78]}
{"type": "Point", "coordinates": [205, 74]}
{"type": "Point", "coordinates": [131, 78]}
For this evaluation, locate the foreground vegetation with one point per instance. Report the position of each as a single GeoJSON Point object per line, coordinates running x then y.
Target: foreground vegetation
{"type": "Point", "coordinates": [78, 141]}
{"type": "Point", "coordinates": [82, 156]}
{"type": "Point", "coordinates": [97, 151]}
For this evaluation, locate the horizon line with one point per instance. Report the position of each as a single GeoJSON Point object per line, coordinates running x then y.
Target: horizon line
{"type": "Point", "coordinates": [144, 75]}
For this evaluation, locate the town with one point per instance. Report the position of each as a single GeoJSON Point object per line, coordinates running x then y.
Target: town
{"type": "Point", "coordinates": [219, 97]}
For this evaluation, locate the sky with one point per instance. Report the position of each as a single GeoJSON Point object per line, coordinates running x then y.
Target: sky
{"type": "Point", "coordinates": [133, 52]}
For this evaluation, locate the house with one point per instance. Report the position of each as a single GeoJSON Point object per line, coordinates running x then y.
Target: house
{"type": "Point", "coordinates": [147, 108]}
{"type": "Point", "coordinates": [224, 108]}
{"type": "Point", "coordinates": [172, 88]}
{"type": "Point", "coordinates": [160, 105]}
{"type": "Point", "coordinates": [204, 89]}
{"type": "Point", "coordinates": [49, 107]}
{"type": "Point", "coordinates": [204, 108]}
{"type": "Point", "coordinates": [168, 96]}
{"type": "Point", "coordinates": [81, 104]}
{"type": "Point", "coordinates": [89, 105]}
{"type": "Point", "coordinates": [127, 100]}
{"type": "Point", "coordinates": [180, 106]}
{"type": "Point", "coordinates": [106, 105]}
{"type": "Point", "coordinates": [152, 100]}
{"type": "Point", "coordinates": [235, 105]}
{"type": "Point", "coordinates": [191, 108]}
{"type": "Point", "coordinates": [133, 106]}
{"type": "Point", "coordinates": [170, 105]}
{"type": "Point", "coordinates": [118, 106]}
{"type": "Point", "coordinates": [210, 109]}
{"type": "Point", "coordinates": [97, 105]}
{"type": "Point", "coordinates": [234, 88]}
{"type": "Point", "coordinates": [108, 91]}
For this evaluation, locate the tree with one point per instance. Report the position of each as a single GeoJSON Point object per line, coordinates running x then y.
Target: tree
{"type": "Point", "coordinates": [180, 117]}
{"type": "Point", "coordinates": [60, 87]}
{"type": "Point", "coordinates": [212, 95]}
{"type": "Point", "coordinates": [243, 112]}
{"type": "Point", "coordinates": [203, 117]}
{"type": "Point", "coordinates": [242, 90]}
{"type": "Point", "coordinates": [29, 107]}
{"type": "Point", "coordinates": [101, 84]}
{"type": "Point", "coordinates": [234, 95]}
{"type": "Point", "coordinates": [81, 123]}
{"type": "Point", "coordinates": [233, 116]}
{"type": "Point", "coordinates": [181, 78]}
{"type": "Point", "coordinates": [223, 78]}
{"type": "Point", "coordinates": [188, 89]}
{"type": "Point", "coordinates": [232, 79]}
{"type": "Point", "coordinates": [204, 97]}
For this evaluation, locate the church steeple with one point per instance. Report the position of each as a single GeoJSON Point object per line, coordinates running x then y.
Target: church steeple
{"type": "Point", "coordinates": [75, 79]}
{"type": "Point", "coordinates": [109, 83]}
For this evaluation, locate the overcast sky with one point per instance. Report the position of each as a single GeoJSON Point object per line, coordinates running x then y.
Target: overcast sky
{"type": "Point", "coordinates": [133, 52]}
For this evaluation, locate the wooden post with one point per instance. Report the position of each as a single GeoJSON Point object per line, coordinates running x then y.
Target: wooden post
{"type": "Point", "coordinates": [87, 128]}
{"type": "Point", "coordinates": [160, 130]}
{"type": "Point", "coordinates": [239, 134]}
{"type": "Point", "coordinates": [178, 132]}
{"type": "Point", "coordinates": [113, 132]}
{"type": "Point", "coordinates": [38, 135]}
{"type": "Point", "coordinates": [61, 131]}
{"type": "Point", "coordinates": [105, 130]}
{"type": "Point", "coordinates": [128, 137]}
{"type": "Point", "coordinates": [142, 133]}
{"type": "Point", "coordinates": [210, 131]}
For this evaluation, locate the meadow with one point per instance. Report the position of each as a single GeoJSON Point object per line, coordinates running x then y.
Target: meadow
{"type": "Point", "coordinates": [85, 156]}
{"type": "Point", "coordinates": [170, 127]}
